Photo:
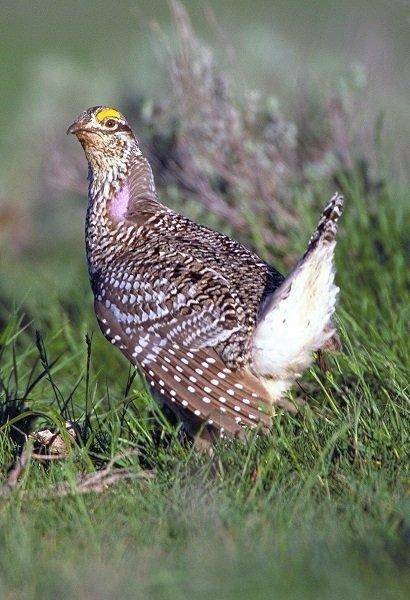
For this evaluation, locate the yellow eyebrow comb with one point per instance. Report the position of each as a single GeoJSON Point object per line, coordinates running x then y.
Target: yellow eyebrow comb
{"type": "Point", "coordinates": [105, 113]}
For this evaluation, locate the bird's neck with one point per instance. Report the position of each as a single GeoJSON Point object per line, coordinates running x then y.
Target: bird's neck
{"type": "Point", "coordinates": [115, 191]}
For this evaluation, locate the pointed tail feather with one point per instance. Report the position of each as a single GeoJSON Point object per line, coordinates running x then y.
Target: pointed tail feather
{"type": "Point", "coordinates": [327, 227]}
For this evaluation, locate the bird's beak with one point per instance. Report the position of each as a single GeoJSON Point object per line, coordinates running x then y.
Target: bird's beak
{"type": "Point", "coordinates": [79, 125]}
{"type": "Point", "coordinates": [74, 127]}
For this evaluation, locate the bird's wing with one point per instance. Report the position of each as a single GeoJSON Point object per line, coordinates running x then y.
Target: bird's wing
{"type": "Point", "coordinates": [169, 326]}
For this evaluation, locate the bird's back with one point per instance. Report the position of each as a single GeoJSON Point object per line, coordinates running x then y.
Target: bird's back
{"type": "Point", "coordinates": [160, 247]}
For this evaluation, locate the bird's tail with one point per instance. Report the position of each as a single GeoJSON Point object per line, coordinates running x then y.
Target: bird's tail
{"type": "Point", "coordinates": [296, 320]}
{"type": "Point", "coordinates": [326, 229]}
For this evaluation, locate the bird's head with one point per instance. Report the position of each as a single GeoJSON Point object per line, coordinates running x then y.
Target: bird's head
{"type": "Point", "coordinates": [105, 135]}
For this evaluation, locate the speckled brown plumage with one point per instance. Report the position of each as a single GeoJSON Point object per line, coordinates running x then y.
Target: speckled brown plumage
{"type": "Point", "coordinates": [179, 300]}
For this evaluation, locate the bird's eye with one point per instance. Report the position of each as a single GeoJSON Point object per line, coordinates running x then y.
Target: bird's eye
{"type": "Point", "coordinates": [110, 123]}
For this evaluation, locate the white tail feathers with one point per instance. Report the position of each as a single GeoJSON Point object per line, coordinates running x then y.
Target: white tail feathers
{"type": "Point", "coordinates": [296, 320]}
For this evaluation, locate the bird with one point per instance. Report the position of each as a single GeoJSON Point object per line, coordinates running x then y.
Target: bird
{"type": "Point", "coordinates": [219, 334]}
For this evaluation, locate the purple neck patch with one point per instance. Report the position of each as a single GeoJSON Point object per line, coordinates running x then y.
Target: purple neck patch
{"type": "Point", "coordinates": [118, 206]}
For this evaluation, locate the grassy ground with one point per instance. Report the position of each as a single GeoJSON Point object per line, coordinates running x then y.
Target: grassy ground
{"type": "Point", "coordinates": [316, 510]}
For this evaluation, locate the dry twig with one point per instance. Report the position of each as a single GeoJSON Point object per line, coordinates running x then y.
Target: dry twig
{"type": "Point", "coordinates": [16, 471]}
{"type": "Point", "coordinates": [96, 482]}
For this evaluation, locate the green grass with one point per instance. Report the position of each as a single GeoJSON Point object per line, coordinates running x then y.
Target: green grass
{"type": "Point", "coordinates": [316, 510]}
